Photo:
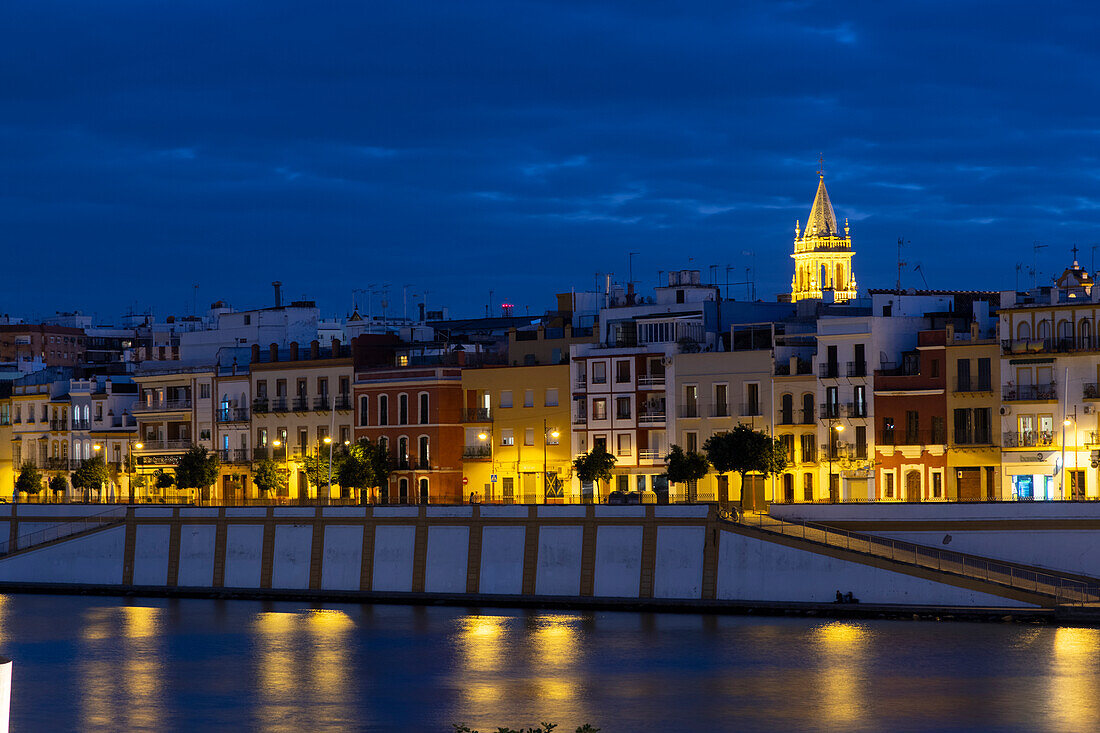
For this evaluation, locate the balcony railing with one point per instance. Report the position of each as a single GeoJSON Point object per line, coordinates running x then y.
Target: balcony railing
{"type": "Point", "coordinates": [322, 403]}
{"type": "Point", "coordinates": [476, 451]}
{"type": "Point", "coordinates": [232, 414]}
{"type": "Point", "coordinates": [857, 369]}
{"type": "Point", "coordinates": [58, 425]}
{"type": "Point", "coordinates": [750, 409]}
{"type": "Point", "coordinates": [975, 437]}
{"type": "Point", "coordinates": [1049, 345]}
{"type": "Point", "coordinates": [580, 383]}
{"type": "Point", "coordinates": [162, 406]}
{"type": "Point", "coordinates": [689, 410]}
{"type": "Point", "coordinates": [1033, 392]}
{"type": "Point", "coordinates": [912, 437]}
{"type": "Point", "coordinates": [829, 410]}
{"type": "Point", "coordinates": [1027, 439]}
{"type": "Point", "coordinates": [802, 366]}
{"type": "Point", "coordinates": [969, 385]}
{"type": "Point", "coordinates": [234, 455]}
{"type": "Point", "coordinates": [651, 418]}
{"type": "Point", "coordinates": [650, 380]}
{"type": "Point", "coordinates": [279, 404]}
{"type": "Point", "coordinates": [856, 409]}
{"type": "Point", "coordinates": [785, 417]}
{"type": "Point", "coordinates": [477, 414]}
{"type": "Point", "coordinates": [651, 455]}
{"type": "Point", "coordinates": [82, 424]}
{"type": "Point", "coordinates": [301, 404]}
{"type": "Point", "coordinates": [423, 465]}
{"type": "Point", "coordinates": [260, 405]}
{"type": "Point", "coordinates": [720, 409]}
{"type": "Point", "coordinates": [155, 445]}
{"type": "Point", "coordinates": [343, 402]}
{"type": "Point", "coordinates": [580, 419]}
{"type": "Point", "coordinates": [828, 370]}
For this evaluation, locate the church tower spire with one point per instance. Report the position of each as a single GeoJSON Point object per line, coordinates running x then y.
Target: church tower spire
{"type": "Point", "coordinates": [822, 256]}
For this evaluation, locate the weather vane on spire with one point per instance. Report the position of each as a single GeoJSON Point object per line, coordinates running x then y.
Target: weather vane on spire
{"type": "Point", "coordinates": [821, 164]}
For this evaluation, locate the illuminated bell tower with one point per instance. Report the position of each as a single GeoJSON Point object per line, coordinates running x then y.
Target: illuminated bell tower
{"type": "Point", "coordinates": [822, 257]}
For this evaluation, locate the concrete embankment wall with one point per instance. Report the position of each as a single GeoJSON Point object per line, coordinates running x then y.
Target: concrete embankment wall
{"type": "Point", "coordinates": [1063, 536]}
{"type": "Point", "coordinates": [594, 553]}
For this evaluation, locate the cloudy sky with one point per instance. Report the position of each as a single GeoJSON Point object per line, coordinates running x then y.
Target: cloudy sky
{"type": "Point", "coordinates": [521, 147]}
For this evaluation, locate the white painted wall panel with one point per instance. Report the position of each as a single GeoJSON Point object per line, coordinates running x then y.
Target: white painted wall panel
{"type": "Point", "coordinates": [393, 557]}
{"type": "Point", "coordinates": [244, 546]}
{"type": "Point", "coordinates": [681, 511]}
{"type": "Point", "coordinates": [504, 511]}
{"type": "Point", "coordinates": [502, 559]}
{"type": "Point", "coordinates": [344, 511]}
{"type": "Point", "coordinates": [294, 511]}
{"type": "Point", "coordinates": [1071, 550]}
{"type": "Point", "coordinates": [678, 569]}
{"type": "Point", "coordinates": [293, 544]}
{"type": "Point", "coordinates": [342, 560]}
{"type": "Point", "coordinates": [751, 569]}
{"type": "Point", "coordinates": [396, 511]}
{"type": "Point", "coordinates": [246, 511]}
{"type": "Point", "coordinates": [92, 559]}
{"type": "Point", "coordinates": [450, 511]}
{"type": "Point", "coordinates": [610, 510]}
{"type": "Point", "coordinates": [151, 545]}
{"type": "Point", "coordinates": [153, 511]}
{"type": "Point", "coordinates": [196, 555]}
{"type": "Point", "coordinates": [618, 561]}
{"type": "Point", "coordinates": [558, 572]}
{"type": "Point", "coordinates": [448, 551]}
{"type": "Point", "coordinates": [558, 511]}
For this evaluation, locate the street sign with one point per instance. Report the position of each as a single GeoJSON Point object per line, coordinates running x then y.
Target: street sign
{"type": "Point", "coordinates": [493, 477]}
{"type": "Point", "coordinates": [465, 480]}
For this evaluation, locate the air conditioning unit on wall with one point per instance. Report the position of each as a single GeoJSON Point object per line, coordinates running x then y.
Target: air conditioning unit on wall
{"type": "Point", "coordinates": [1006, 410]}
{"type": "Point", "coordinates": [1087, 409]}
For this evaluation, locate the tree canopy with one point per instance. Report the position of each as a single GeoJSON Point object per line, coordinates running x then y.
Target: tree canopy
{"type": "Point", "coordinates": [685, 466]}
{"type": "Point", "coordinates": [197, 469]}
{"type": "Point", "coordinates": [58, 484]}
{"type": "Point", "coordinates": [363, 465]}
{"type": "Point", "coordinates": [268, 476]}
{"type": "Point", "coordinates": [91, 474]}
{"type": "Point", "coordinates": [595, 465]}
{"type": "Point", "coordinates": [30, 478]}
{"type": "Point", "coordinates": [316, 466]}
{"type": "Point", "coordinates": [745, 451]}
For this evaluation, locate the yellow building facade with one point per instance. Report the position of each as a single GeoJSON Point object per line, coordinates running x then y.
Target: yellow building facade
{"type": "Point", "coordinates": [822, 257]}
{"type": "Point", "coordinates": [516, 428]}
{"type": "Point", "coordinates": [973, 415]}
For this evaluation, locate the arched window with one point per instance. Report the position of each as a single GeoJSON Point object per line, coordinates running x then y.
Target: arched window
{"type": "Point", "coordinates": [786, 409]}
{"type": "Point", "coordinates": [422, 458]}
{"type": "Point", "coordinates": [86, 419]}
{"type": "Point", "coordinates": [1065, 333]}
{"type": "Point", "coordinates": [364, 410]}
{"type": "Point", "coordinates": [424, 408]}
{"type": "Point", "coordinates": [808, 408]}
{"type": "Point", "coordinates": [839, 276]}
{"type": "Point", "coordinates": [1023, 331]}
{"type": "Point", "coordinates": [383, 409]}
{"type": "Point", "coordinates": [77, 454]}
{"type": "Point", "coordinates": [1084, 334]}
{"type": "Point", "coordinates": [384, 443]}
{"type": "Point", "coordinates": [1042, 331]}
{"type": "Point", "coordinates": [824, 277]}
{"type": "Point", "coordinates": [423, 491]}
{"type": "Point", "coordinates": [403, 452]}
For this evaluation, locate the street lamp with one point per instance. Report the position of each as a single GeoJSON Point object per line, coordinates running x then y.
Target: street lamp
{"type": "Point", "coordinates": [488, 436]}
{"type": "Point", "coordinates": [286, 462]}
{"type": "Point", "coordinates": [131, 468]}
{"type": "Point", "coordinates": [328, 441]}
{"type": "Point", "coordinates": [97, 448]}
{"type": "Point", "coordinates": [546, 432]}
{"type": "Point", "coordinates": [839, 428]}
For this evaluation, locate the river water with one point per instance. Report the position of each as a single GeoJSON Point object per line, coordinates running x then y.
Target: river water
{"type": "Point", "coordinates": [106, 664]}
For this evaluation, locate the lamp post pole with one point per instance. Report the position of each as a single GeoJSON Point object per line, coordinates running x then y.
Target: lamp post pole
{"type": "Point", "coordinates": [96, 449]}
{"type": "Point", "coordinates": [547, 433]}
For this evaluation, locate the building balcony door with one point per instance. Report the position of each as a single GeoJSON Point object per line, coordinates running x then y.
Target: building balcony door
{"type": "Point", "coordinates": [1077, 485]}
{"type": "Point", "coordinates": [912, 486]}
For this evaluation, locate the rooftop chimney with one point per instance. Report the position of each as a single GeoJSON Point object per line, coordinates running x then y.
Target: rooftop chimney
{"type": "Point", "coordinates": [278, 293]}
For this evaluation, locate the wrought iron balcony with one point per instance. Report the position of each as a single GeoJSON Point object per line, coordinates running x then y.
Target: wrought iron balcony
{"type": "Point", "coordinates": [1027, 439]}
{"type": "Point", "coordinates": [232, 414]}
{"type": "Point", "coordinates": [162, 406]}
{"type": "Point", "coordinates": [477, 414]}
{"type": "Point", "coordinates": [476, 451]}
{"type": "Point", "coordinates": [1030, 392]}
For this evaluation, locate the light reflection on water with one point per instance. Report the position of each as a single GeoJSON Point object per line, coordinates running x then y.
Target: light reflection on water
{"type": "Point", "coordinates": [100, 664]}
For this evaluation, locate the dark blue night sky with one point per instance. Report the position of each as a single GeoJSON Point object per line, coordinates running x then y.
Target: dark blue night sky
{"type": "Point", "coordinates": [521, 147]}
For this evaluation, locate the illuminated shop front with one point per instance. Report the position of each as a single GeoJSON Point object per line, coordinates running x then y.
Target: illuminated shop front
{"type": "Point", "coordinates": [1033, 476]}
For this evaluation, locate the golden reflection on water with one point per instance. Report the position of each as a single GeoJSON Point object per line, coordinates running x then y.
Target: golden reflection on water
{"type": "Point", "coordinates": [1073, 687]}
{"type": "Point", "coordinates": [302, 657]}
{"type": "Point", "coordinates": [539, 660]}
{"type": "Point", "coordinates": [842, 655]}
{"type": "Point", "coordinates": [121, 654]}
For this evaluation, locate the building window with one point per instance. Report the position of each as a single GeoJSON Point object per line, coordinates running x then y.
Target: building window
{"type": "Point", "coordinates": [345, 385]}
{"type": "Point", "coordinates": [383, 409]}
{"type": "Point", "coordinates": [807, 487]}
{"type": "Point", "coordinates": [551, 397]}
{"type": "Point", "coordinates": [204, 391]}
{"type": "Point", "coordinates": [809, 448]}
{"type": "Point", "coordinates": [691, 441]}
{"type": "Point", "coordinates": [402, 409]}
{"type": "Point", "coordinates": [599, 372]}
{"type": "Point", "coordinates": [937, 485]}
{"type": "Point", "coordinates": [364, 410]}
{"type": "Point", "coordinates": [721, 400]}
{"type": "Point", "coordinates": [622, 371]}
{"type": "Point", "coordinates": [506, 398]}
{"type": "Point", "coordinates": [691, 401]}
{"type": "Point", "coordinates": [322, 386]}
{"type": "Point", "coordinates": [506, 437]}
{"type": "Point", "coordinates": [599, 441]}
{"type": "Point", "coordinates": [599, 408]}
{"type": "Point", "coordinates": [261, 438]}
{"type": "Point", "coordinates": [622, 408]}
{"type": "Point", "coordinates": [861, 442]}
{"type": "Point", "coordinates": [280, 388]}
{"type": "Point", "coordinates": [528, 398]}
{"type": "Point", "coordinates": [529, 436]}
{"type": "Point", "coordinates": [422, 445]}
{"type": "Point", "coordinates": [623, 447]}
{"type": "Point", "coordinates": [888, 485]}
{"type": "Point", "coordinates": [302, 388]}
{"type": "Point", "coordinates": [786, 441]}
{"type": "Point", "coordinates": [424, 408]}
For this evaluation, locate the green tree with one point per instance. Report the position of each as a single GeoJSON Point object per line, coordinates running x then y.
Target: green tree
{"type": "Point", "coordinates": [316, 466]}
{"type": "Point", "coordinates": [594, 466]}
{"type": "Point", "coordinates": [745, 451]}
{"type": "Point", "coordinates": [268, 476]}
{"type": "Point", "coordinates": [197, 469]}
{"type": "Point", "coordinates": [58, 485]}
{"type": "Point", "coordinates": [363, 465]}
{"type": "Point", "coordinates": [91, 474]}
{"type": "Point", "coordinates": [30, 478]}
{"type": "Point", "coordinates": [685, 467]}
{"type": "Point", "coordinates": [163, 479]}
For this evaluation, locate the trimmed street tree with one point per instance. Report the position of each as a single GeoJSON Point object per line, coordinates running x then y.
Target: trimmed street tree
{"type": "Point", "coordinates": [58, 485]}
{"type": "Point", "coordinates": [686, 467]}
{"type": "Point", "coordinates": [594, 466]}
{"type": "Point", "coordinates": [268, 476]}
{"type": "Point", "coordinates": [162, 479]}
{"type": "Point", "coordinates": [745, 451]}
{"type": "Point", "coordinates": [30, 478]}
{"type": "Point", "coordinates": [316, 467]}
{"type": "Point", "coordinates": [197, 469]}
{"type": "Point", "coordinates": [363, 465]}
{"type": "Point", "coordinates": [91, 474]}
